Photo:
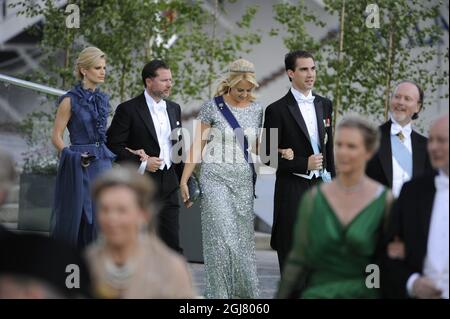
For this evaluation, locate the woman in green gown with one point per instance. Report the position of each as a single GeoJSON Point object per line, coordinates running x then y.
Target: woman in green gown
{"type": "Point", "coordinates": [339, 225]}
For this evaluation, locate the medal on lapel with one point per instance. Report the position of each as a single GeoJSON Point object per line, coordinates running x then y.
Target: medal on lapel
{"type": "Point", "coordinates": [326, 123]}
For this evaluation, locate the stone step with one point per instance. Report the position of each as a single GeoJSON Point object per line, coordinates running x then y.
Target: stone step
{"type": "Point", "coordinates": [13, 195]}
{"type": "Point", "coordinates": [13, 228]}
{"type": "Point", "coordinates": [10, 226]}
{"type": "Point", "coordinates": [9, 213]}
{"type": "Point", "coordinates": [262, 241]}
{"type": "Point", "coordinates": [9, 218]}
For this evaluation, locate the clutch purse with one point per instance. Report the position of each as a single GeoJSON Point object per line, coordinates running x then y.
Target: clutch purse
{"type": "Point", "coordinates": [194, 188]}
{"type": "Point", "coordinates": [86, 159]}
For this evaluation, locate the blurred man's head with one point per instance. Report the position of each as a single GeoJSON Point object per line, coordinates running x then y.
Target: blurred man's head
{"type": "Point", "coordinates": [7, 174]}
{"type": "Point", "coordinates": [438, 144]}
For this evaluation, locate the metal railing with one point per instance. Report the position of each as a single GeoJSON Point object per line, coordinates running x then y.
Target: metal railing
{"type": "Point", "coordinates": [31, 85]}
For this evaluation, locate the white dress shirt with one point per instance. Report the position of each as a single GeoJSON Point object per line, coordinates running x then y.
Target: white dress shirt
{"type": "Point", "coordinates": [161, 122]}
{"type": "Point", "coordinates": [399, 175]}
{"type": "Point", "coordinates": [308, 111]}
{"type": "Point", "coordinates": [436, 259]}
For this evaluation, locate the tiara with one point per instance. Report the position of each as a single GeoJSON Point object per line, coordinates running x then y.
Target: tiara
{"type": "Point", "coordinates": [241, 66]}
{"type": "Point", "coordinates": [243, 70]}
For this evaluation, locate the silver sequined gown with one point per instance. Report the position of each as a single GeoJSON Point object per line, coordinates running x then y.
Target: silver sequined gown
{"type": "Point", "coordinates": [227, 205]}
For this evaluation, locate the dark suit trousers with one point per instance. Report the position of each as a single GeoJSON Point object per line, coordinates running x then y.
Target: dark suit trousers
{"type": "Point", "coordinates": [168, 199]}
{"type": "Point", "coordinates": [288, 194]}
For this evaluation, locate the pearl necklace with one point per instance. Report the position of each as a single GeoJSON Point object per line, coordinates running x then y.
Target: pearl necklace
{"type": "Point", "coordinates": [118, 276]}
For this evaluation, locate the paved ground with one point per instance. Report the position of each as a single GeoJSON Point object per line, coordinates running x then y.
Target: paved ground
{"type": "Point", "coordinates": [268, 273]}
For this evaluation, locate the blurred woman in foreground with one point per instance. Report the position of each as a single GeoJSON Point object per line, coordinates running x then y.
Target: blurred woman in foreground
{"type": "Point", "coordinates": [129, 260]}
{"type": "Point", "coordinates": [339, 224]}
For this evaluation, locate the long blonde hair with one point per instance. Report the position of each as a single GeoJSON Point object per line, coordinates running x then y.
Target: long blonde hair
{"type": "Point", "coordinates": [239, 70]}
{"type": "Point", "coordinates": [87, 59]}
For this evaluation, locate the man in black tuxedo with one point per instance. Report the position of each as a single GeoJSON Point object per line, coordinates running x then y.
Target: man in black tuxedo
{"type": "Point", "coordinates": [416, 261]}
{"type": "Point", "coordinates": [145, 130]}
{"type": "Point", "coordinates": [402, 153]}
{"type": "Point", "coordinates": [303, 123]}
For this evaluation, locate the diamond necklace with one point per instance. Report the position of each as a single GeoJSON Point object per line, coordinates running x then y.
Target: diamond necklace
{"type": "Point", "coordinates": [351, 189]}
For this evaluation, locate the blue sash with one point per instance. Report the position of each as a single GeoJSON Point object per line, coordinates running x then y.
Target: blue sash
{"type": "Point", "coordinates": [243, 142]}
{"type": "Point", "coordinates": [402, 154]}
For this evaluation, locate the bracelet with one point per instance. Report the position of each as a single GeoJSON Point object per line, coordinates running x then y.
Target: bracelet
{"type": "Point", "coordinates": [184, 184]}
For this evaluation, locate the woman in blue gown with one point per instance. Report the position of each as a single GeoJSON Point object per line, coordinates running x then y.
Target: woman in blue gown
{"type": "Point", "coordinates": [83, 111]}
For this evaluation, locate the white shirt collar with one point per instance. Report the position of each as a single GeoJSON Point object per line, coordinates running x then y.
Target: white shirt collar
{"type": "Point", "coordinates": [151, 102]}
{"type": "Point", "coordinates": [299, 95]}
{"type": "Point", "coordinates": [441, 173]}
{"type": "Point", "coordinates": [441, 181]}
{"type": "Point", "coordinates": [396, 128]}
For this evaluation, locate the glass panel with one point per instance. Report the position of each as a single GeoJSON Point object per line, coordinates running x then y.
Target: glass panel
{"type": "Point", "coordinates": [26, 123]}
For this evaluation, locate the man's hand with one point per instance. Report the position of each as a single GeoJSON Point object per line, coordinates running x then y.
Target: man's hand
{"type": "Point", "coordinates": [153, 163]}
{"type": "Point", "coordinates": [424, 288]}
{"type": "Point", "coordinates": [396, 249]}
{"type": "Point", "coordinates": [141, 153]}
{"type": "Point", "coordinates": [287, 153]}
{"type": "Point", "coordinates": [315, 162]}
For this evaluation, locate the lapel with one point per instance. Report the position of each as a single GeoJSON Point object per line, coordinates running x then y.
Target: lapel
{"type": "Point", "coordinates": [418, 154]}
{"type": "Point", "coordinates": [425, 210]}
{"type": "Point", "coordinates": [320, 126]}
{"type": "Point", "coordinates": [295, 111]}
{"type": "Point", "coordinates": [171, 112]}
{"type": "Point", "coordinates": [385, 152]}
{"type": "Point", "coordinates": [144, 113]}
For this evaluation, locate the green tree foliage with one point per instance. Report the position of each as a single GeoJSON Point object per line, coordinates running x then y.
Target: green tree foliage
{"type": "Point", "coordinates": [358, 65]}
{"type": "Point", "coordinates": [132, 32]}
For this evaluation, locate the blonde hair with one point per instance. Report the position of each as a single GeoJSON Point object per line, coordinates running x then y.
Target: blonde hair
{"type": "Point", "coordinates": [87, 59]}
{"type": "Point", "coordinates": [239, 70]}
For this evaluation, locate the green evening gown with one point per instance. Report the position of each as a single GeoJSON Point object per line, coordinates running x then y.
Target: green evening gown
{"type": "Point", "coordinates": [328, 259]}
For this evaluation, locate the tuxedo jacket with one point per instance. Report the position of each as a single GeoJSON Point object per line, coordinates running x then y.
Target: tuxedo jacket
{"type": "Point", "coordinates": [285, 116]}
{"type": "Point", "coordinates": [410, 221]}
{"type": "Point", "coordinates": [379, 167]}
{"type": "Point", "coordinates": [132, 126]}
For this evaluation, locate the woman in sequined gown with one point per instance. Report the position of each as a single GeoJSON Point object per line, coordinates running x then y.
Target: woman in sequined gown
{"type": "Point", "coordinates": [227, 187]}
